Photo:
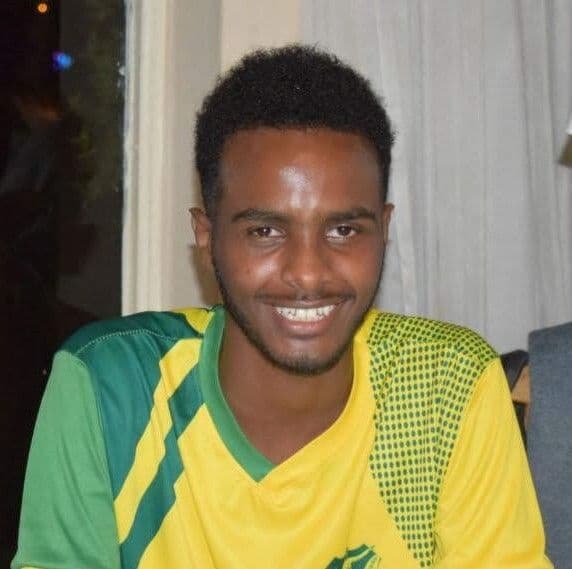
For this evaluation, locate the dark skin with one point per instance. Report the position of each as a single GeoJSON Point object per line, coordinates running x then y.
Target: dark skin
{"type": "Point", "coordinates": [298, 244]}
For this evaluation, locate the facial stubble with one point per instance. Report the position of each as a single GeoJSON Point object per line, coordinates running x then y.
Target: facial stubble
{"type": "Point", "coordinates": [302, 365]}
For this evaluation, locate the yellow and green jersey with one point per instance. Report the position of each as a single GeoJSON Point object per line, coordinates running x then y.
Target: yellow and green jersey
{"type": "Point", "coordinates": [138, 462]}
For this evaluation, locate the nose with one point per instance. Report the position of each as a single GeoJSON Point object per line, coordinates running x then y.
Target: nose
{"type": "Point", "coordinates": [306, 265]}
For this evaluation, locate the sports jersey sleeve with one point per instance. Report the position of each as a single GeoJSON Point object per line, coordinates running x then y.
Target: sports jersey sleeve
{"type": "Point", "coordinates": [488, 514]}
{"type": "Point", "coordinates": [67, 519]}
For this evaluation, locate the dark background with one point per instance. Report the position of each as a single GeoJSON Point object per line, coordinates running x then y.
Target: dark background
{"type": "Point", "coordinates": [61, 157]}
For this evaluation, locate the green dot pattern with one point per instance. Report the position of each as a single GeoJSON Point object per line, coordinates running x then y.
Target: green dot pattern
{"type": "Point", "coordinates": [423, 373]}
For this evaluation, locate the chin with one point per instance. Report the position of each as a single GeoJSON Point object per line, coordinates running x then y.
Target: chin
{"type": "Point", "coordinates": [301, 364]}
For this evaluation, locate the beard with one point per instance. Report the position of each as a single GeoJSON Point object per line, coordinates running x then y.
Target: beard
{"type": "Point", "coordinates": [298, 364]}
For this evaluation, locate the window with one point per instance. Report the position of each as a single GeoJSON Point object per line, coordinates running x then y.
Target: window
{"type": "Point", "coordinates": [61, 164]}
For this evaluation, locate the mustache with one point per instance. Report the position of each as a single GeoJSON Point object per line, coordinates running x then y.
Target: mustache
{"type": "Point", "coordinates": [331, 293]}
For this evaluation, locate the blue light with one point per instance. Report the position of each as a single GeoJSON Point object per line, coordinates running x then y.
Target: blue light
{"type": "Point", "coordinates": [62, 60]}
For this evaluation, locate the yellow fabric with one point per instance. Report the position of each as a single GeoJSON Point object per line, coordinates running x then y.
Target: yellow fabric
{"type": "Point", "coordinates": [323, 501]}
{"type": "Point", "coordinates": [198, 318]}
{"type": "Point", "coordinates": [321, 504]}
{"type": "Point", "coordinates": [487, 515]}
{"type": "Point", "coordinates": [306, 512]}
{"type": "Point", "coordinates": [424, 467]}
{"type": "Point", "coordinates": [149, 452]}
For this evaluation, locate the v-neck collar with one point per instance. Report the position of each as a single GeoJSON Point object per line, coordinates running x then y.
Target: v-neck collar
{"type": "Point", "coordinates": [252, 461]}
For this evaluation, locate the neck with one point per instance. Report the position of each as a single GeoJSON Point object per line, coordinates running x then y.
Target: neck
{"type": "Point", "coordinates": [278, 410]}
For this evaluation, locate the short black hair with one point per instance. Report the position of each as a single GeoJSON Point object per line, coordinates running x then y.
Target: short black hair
{"type": "Point", "coordinates": [296, 86]}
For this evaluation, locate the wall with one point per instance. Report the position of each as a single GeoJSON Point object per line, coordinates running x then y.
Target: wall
{"type": "Point", "coordinates": [250, 24]}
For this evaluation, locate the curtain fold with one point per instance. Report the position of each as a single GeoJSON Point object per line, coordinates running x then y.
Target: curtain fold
{"type": "Point", "coordinates": [479, 92]}
{"type": "Point", "coordinates": [173, 57]}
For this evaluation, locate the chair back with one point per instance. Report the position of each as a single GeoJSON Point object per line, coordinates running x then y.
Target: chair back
{"type": "Point", "coordinates": [549, 436]}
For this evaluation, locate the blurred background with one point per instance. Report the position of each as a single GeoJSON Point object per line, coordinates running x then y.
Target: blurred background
{"type": "Point", "coordinates": [61, 161]}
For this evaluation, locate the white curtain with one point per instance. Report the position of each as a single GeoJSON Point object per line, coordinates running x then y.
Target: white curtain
{"type": "Point", "coordinates": [480, 95]}
{"type": "Point", "coordinates": [173, 56]}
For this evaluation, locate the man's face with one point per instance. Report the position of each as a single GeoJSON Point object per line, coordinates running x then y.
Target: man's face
{"type": "Point", "coordinates": [298, 241]}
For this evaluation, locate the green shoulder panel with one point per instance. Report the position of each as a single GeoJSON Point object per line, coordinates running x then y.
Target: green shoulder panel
{"type": "Point", "coordinates": [134, 362]}
{"type": "Point", "coordinates": [423, 373]}
{"type": "Point", "coordinates": [173, 325]}
{"type": "Point", "coordinates": [123, 357]}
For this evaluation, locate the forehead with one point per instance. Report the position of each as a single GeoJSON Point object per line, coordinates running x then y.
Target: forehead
{"type": "Point", "coordinates": [272, 166]}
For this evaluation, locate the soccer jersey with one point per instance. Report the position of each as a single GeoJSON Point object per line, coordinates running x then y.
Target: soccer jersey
{"type": "Point", "coordinates": [138, 462]}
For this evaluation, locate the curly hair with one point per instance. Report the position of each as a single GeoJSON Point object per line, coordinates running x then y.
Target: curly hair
{"type": "Point", "coordinates": [295, 86]}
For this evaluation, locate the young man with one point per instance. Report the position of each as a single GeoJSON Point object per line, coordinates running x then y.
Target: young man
{"type": "Point", "coordinates": [293, 426]}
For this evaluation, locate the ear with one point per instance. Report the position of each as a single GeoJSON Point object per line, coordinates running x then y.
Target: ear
{"type": "Point", "coordinates": [202, 228]}
{"type": "Point", "coordinates": [385, 219]}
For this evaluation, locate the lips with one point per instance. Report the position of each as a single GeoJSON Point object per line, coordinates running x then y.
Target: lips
{"type": "Point", "coordinates": [295, 314]}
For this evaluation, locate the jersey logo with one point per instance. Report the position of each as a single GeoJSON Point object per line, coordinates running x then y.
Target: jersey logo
{"type": "Point", "coordinates": [362, 557]}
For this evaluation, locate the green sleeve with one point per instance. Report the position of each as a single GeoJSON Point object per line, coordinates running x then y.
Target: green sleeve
{"type": "Point", "coordinates": [67, 519]}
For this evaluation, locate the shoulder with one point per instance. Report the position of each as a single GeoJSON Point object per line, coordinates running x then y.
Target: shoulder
{"type": "Point", "coordinates": [132, 366]}
{"type": "Point", "coordinates": [429, 341]}
{"type": "Point", "coordinates": [437, 364]}
{"type": "Point", "coordinates": [137, 333]}
{"type": "Point", "coordinates": [423, 374]}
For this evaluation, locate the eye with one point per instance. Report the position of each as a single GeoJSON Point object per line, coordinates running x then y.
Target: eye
{"type": "Point", "coordinates": [264, 232]}
{"type": "Point", "coordinates": [341, 232]}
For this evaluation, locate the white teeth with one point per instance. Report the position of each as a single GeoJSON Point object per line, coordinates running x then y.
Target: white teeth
{"type": "Point", "coordinates": [305, 314]}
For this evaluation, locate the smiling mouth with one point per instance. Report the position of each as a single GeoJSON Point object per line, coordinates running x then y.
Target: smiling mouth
{"type": "Point", "coordinates": [305, 314]}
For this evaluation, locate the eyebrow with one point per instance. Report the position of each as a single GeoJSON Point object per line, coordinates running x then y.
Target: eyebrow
{"type": "Point", "coordinates": [269, 216]}
{"type": "Point", "coordinates": [253, 214]}
{"type": "Point", "coordinates": [352, 214]}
